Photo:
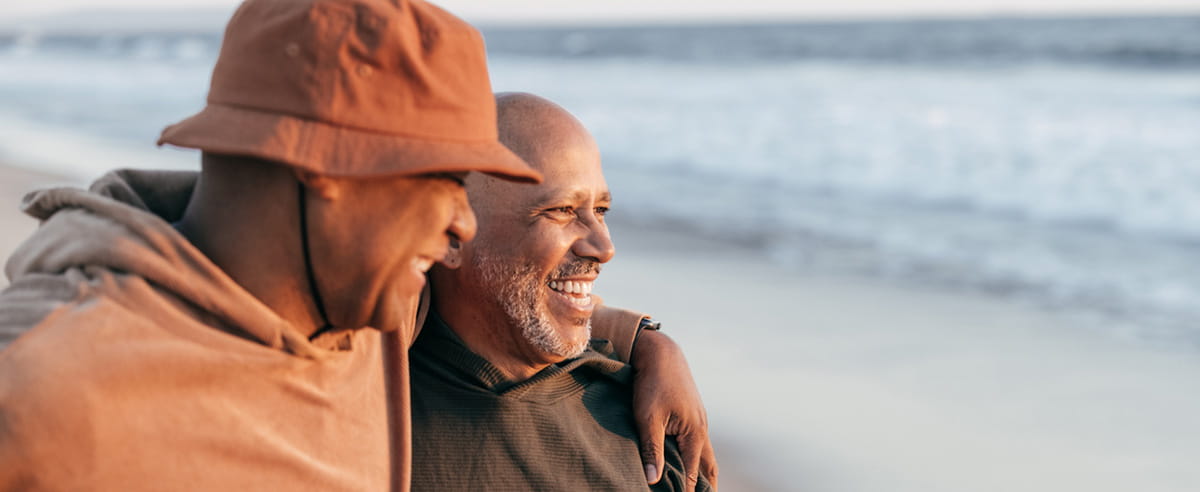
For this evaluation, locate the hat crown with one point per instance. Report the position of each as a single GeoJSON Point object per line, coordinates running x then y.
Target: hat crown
{"type": "Point", "coordinates": [395, 67]}
{"type": "Point", "coordinates": [355, 88]}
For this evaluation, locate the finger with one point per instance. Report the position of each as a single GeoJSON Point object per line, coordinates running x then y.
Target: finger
{"type": "Point", "coordinates": [691, 447]}
{"type": "Point", "coordinates": [708, 464]}
{"type": "Point", "coordinates": [652, 432]}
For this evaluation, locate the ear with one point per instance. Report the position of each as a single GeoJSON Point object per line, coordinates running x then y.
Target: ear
{"type": "Point", "coordinates": [454, 254]}
{"type": "Point", "coordinates": [325, 187]}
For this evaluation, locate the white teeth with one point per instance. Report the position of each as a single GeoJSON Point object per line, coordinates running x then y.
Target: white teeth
{"type": "Point", "coordinates": [423, 264]}
{"type": "Point", "coordinates": [583, 288]}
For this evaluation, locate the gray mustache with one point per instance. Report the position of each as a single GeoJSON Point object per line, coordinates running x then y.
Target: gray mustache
{"type": "Point", "coordinates": [577, 267]}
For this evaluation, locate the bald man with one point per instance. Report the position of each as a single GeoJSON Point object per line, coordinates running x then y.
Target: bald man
{"type": "Point", "coordinates": [509, 390]}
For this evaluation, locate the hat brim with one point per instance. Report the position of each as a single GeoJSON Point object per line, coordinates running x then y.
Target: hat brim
{"type": "Point", "coordinates": [339, 151]}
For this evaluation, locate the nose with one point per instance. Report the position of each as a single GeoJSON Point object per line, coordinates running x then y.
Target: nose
{"type": "Point", "coordinates": [462, 220]}
{"type": "Point", "coordinates": [596, 244]}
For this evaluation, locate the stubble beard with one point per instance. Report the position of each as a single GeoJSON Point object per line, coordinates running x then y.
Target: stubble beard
{"type": "Point", "coordinates": [518, 289]}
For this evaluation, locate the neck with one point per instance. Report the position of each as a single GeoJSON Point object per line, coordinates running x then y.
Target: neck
{"type": "Point", "coordinates": [476, 323]}
{"type": "Point", "coordinates": [244, 216]}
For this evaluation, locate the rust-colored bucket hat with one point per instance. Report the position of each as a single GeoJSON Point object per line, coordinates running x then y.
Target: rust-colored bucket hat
{"type": "Point", "coordinates": [352, 88]}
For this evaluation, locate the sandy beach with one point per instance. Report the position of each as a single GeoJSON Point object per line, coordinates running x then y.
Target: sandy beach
{"type": "Point", "coordinates": [844, 384]}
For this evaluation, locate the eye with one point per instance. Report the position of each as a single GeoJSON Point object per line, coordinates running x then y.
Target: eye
{"type": "Point", "coordinates": [563, 213]}
{"type": "Point", "coordinates": [602, 211]}
{"type": "Point", "coordinates": [459, 178]}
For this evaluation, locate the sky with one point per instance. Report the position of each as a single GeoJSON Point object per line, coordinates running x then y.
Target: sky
{"type": "Point", "coordinates": [650, 10]}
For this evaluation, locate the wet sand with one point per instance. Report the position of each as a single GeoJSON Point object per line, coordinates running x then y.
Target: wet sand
{"type": "Point", "coordinates": [840, 384]}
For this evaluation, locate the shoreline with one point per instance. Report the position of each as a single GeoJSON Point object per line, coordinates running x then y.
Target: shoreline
{"type": "Point", "coordinates": [824, 382]}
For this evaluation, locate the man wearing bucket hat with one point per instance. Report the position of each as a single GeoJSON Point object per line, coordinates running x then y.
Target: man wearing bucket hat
{"type": "Point", "coordinates": [206, 334]}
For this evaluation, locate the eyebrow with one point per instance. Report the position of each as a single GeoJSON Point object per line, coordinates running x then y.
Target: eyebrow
{"type": "Point", "coordinates": [575, 196]}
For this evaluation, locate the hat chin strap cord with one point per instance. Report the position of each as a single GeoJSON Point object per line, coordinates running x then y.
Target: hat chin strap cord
{"type": "Point", "coordinates": [308, 266]}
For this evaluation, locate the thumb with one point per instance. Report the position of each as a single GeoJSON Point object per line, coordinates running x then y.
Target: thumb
{"type": "Point", "coordinates": [652, 431]}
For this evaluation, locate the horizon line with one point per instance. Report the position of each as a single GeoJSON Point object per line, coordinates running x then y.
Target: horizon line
{"type": "Point", "coordinates": [47, 21]}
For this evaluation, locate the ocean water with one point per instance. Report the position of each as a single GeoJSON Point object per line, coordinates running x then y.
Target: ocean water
{"type": "Point", "coordinates": [1056, 161]}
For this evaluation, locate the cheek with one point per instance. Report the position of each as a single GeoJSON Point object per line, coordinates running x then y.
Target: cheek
{"type": "Point", "coordinates": [444, 208]}
{"type": "Point", "coordinates": [512, 246]}
{"type": "Point", "coordinates": [424, 214]}
{"type": "Point", "coordinates": [546, 250]}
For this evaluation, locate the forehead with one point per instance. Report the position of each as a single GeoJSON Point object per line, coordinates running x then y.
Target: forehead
{"type": "Point", "coordinates": [553, 142]}
{"type": "Point", "coordinates": [570, 170]}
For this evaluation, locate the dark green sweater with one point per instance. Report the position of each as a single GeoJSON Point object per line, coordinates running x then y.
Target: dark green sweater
{"type": "Point", "coordinates": [570, 427]}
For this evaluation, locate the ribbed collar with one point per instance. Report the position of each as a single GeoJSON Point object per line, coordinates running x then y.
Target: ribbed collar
{"type": "Point", "coordinates": [547, 386]}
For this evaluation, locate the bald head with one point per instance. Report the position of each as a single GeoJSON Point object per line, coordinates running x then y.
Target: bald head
{"type": "Point", "coordinates": [534, 127]}
{"type": "Point", "coordinates": [542, 133]}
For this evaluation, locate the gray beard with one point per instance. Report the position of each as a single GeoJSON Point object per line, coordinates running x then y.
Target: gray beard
{"type": "Point", "coordinates": [517, 289]}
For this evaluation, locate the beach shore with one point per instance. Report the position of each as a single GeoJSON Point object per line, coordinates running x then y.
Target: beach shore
{"type": "Point", "coordinates": [842, 384]}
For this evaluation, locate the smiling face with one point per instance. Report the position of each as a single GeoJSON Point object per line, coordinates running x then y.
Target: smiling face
{"type": "Point", "coordinates": [540, 260]}
{"type": "Point", "coordinates": [373, 240]}
{"type": "Point", "coordinates": [539, 247]}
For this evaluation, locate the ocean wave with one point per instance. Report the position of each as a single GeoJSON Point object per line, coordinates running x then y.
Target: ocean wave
{"type": "Point", "coordinates": [156, 46]}
{"type": "Point", "coordinates": [1160, 42]}
{"type": "Point", "coordinates": [1141, 41]}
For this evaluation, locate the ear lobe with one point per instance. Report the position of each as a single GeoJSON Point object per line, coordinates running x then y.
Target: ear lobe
{"type": "Point", "coordinates": [326, 188]}
{"type": "Point", "coordinates": [453, 258]}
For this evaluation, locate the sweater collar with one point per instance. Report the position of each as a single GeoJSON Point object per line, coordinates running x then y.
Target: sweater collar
{"type": "Point", "coordinates": [550, 384]}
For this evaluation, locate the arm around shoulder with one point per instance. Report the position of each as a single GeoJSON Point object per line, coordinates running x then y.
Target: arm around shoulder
{"type": "Point", "coordinates": [618, 326]}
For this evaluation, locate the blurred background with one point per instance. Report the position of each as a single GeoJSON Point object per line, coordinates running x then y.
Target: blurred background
{"type": "Point", "coordinates": [1042, 156]}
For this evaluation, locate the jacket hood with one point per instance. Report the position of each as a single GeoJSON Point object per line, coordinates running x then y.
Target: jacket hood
{"type": "Point", "coordinates": [123, 224]}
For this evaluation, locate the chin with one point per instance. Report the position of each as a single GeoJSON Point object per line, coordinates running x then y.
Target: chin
{"type": "Point", "coordinates": [562, 341]}
{"type": "Point", "coordinates": [574, 339]}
